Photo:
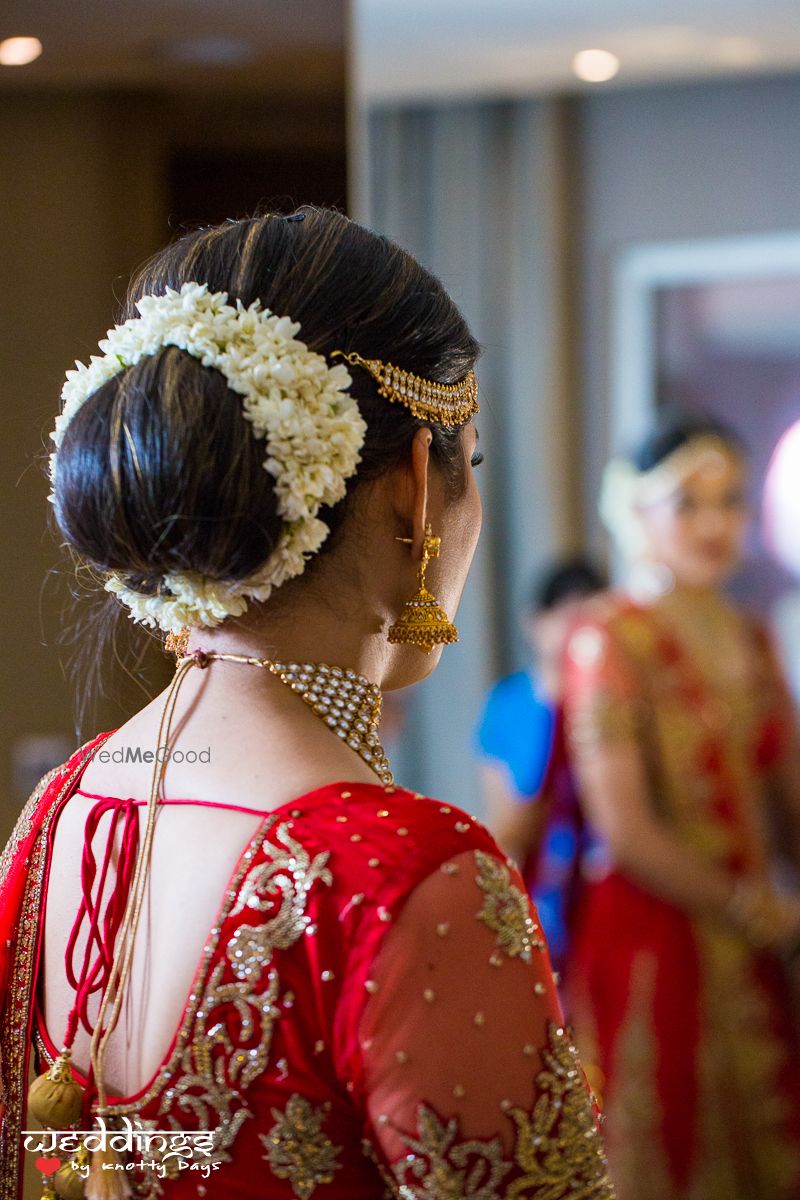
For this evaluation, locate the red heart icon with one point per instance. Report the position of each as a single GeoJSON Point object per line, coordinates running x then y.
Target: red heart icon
{"type": "Point", "coordinates": [48, 1166]}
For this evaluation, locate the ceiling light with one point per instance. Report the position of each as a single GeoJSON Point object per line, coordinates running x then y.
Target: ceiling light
{"type": "Point", "coordinates": [595, 66]}
{"type": "Point", "coordinates": [19, 51]}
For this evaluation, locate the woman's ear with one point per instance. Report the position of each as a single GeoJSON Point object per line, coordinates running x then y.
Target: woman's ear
{"type": "Point", "coordinates": [407, 490]}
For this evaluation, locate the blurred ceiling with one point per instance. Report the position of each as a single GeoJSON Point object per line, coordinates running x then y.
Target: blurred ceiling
{"type": "Point", "coordinates": [272, 47]}
{"type": "Point", "coordinates": [426, 49]}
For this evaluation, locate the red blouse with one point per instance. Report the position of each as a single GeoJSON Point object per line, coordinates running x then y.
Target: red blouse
{"type": "Point", "coordinates": [373, 1015]}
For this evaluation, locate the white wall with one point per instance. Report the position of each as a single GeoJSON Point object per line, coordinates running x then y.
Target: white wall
{"type": "Point", "coordinates": [673, 162]}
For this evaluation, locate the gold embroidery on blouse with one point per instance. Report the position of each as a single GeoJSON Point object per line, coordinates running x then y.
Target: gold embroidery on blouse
{"type": "Point", "coordinates": [297, 1148]}
{"type": "Point", "coordinates": [210, 1068]}
{"type": "Point", "coordinates": [24, 823]}
{"type": "Point", "coordinates": [440, 1165]}
{"type": "Point", "coordinates": [557, 1147]}
{"type": "Point", "coordinates": [506, 908]}
{"type": "Point", "coordinates": [14, 1052]}
{"type": "Point", "coordinates": [603, 718]}
{"type": "Point", "coordinates": [215, 1069]}
{"type": "Point", "coordinates": [290, 875]}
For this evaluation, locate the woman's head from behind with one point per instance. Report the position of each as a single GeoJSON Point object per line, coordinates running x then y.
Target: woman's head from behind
{"type": "Point", "coordinates": [680, 502]}
{"type": "Point", "coordinates": [159, 472]}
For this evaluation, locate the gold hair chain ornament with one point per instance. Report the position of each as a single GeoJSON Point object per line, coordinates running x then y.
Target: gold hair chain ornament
{"type": "Point", "coordinates": [423, 622]}
{"type": "Point", "coordinates": [447, 404]}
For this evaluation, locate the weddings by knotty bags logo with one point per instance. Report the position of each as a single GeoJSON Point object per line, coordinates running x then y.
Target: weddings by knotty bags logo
{"type": "Point", "coordinates": [167, 1152]}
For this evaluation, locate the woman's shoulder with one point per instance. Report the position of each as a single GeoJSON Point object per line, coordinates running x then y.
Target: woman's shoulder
{"type": "Point", "coordinates": [399, 830]}
{"type": "Point", "coordinates": [613, 618]}
{"type": "Point", "coordinates": [611, 608]}
{"type": "Point", "coordinates": [35, 813]}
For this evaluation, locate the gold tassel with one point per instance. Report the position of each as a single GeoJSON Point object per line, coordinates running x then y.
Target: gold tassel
{"type": "Point", "coordinates": [55, 1098]}
{"type": "Point", "coordinates": [106, 1181]}
{"type": "Point", "coordinates": [69, 1181]}
{"type": "Point", "coordinates": [423, 622]}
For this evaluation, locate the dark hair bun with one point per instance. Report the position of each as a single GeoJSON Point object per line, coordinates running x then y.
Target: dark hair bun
{"type": "Point", "coordinates": [159, 471]}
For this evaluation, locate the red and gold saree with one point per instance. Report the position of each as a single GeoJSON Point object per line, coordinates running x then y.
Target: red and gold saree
{"type": "Point", "coordinates": [373, 1015]}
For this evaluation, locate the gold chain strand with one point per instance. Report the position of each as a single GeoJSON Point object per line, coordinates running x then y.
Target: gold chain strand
{"type": "Point", "coordinates": [349, 704]}
{"type": "Point", "coordinates": [103, 1179]}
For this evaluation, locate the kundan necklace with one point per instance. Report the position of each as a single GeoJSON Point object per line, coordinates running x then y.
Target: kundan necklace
{"type": "Point", "coordinates": [348, 703]}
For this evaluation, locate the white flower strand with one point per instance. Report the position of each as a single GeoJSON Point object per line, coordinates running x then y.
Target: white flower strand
{"type": "Point", "coordinates": [312, 428]}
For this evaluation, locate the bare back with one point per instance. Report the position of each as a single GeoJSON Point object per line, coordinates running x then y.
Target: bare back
{"type": "Point", "coordinates": [260, 753]}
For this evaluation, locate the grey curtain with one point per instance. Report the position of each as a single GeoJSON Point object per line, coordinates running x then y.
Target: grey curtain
{"type": "Point", "coordinates": [477, 193]}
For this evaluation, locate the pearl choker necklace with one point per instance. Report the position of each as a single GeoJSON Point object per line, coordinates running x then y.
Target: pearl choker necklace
{"type": "Point", "coordinates": [348, 703]}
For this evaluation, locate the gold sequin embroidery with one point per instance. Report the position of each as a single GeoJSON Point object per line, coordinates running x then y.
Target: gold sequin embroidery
{"type": "Point", "coordinates": [557, 1155]}
{"type": "Point", "coordinates": [298, 1149]}
{"type": "Point", "coordinates": [289, 874]}
{"type": "Point", "coordinates": [24, 823]}
{"type": "Point", "coordinates": [211, 1068]}
{"type": "Point", "coordinates": [506, 908]}
{"type": "Point", "coordinates": [216, 1069]}
{"type": "Point", "coordinates": [558, 1145]}
{"type": "Point", "coordinates": [439, 1165]}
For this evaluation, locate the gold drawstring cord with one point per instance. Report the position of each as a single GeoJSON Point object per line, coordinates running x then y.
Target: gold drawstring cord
{"type": "Point", "coordinates": [123, 956]}
{"type": "Point", "coordinates": [120, 970]}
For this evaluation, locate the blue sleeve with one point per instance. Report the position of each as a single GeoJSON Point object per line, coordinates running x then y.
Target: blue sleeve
{"type": "Point", "coordinates": [516, 728]}
{"type": "Point", "coordinates": [489, 737]}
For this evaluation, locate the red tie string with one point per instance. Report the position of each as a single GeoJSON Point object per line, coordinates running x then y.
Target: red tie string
{"type": "Point", "coordinates": [94, 972]}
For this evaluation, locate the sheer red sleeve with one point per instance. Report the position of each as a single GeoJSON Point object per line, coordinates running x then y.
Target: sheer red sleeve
{"type": "Point", "coordinates": [471, 1083]}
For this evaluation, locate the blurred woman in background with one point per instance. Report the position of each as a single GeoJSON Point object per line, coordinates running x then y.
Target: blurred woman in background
{"type": "Point", "coordinates": [526, 780]}
{"type": "Point", "coordinates": [681, 729]}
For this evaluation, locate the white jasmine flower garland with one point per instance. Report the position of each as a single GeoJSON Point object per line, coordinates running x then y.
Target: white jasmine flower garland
{"type": "Point", "coordinates": [312, 428]}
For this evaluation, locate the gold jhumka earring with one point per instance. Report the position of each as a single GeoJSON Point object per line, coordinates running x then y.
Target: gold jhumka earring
{"type": "Point", "coordinates": [423, 622]}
